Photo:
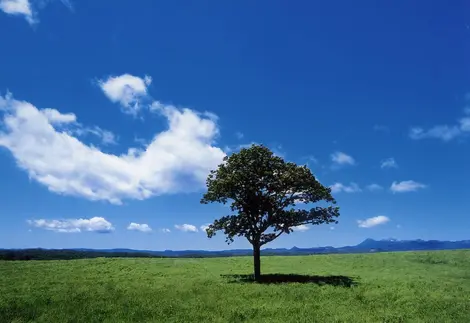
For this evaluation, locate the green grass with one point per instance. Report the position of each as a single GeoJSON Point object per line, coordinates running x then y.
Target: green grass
{"type": "Point", "coordinates": [390, 287]}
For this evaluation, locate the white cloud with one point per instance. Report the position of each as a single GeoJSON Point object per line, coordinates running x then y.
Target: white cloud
{"type": "Point", "coordinates": [126, 89]}
{"type": "Point", "coordinates": [55, 117]}
{"type": "Point", "coordinates": [107, 137]}
{"type": "Point", "coordinates": [204, 227]}
{"type": "Point", "coordinates": [443, 132]}
{"type": "Point", "coordinates": [165, 230]}
{"type": "Point", "coordinates": [446, 132]}
{"type": "Point", "coordinates": [374, 187]}
{"type": "Point", "coordinates": [18, 8]}
{"type": "Point", "coordinates": [340, 158]}
{"type": "Point", "coordinates": [139, 227]}
{"type": "Point", "coordinates": [389, 163]}
{"type": "Point", "coordinates": [332, 228]}
{"type": "Point", "coordinates": [95, 224]}
{"type": "Point", "coordinates": [68, 4]}
{"type": "Point", "coordinates": [406, 186]}
{"type": "Point", "coordinates": [372, 222]}
{"type": "Point", "coordinates": [239, 135]}
{"type": "Point", "coordinates": [177, 159]}
{"type": "Point", "coordinates": [301, 228]}
{"type": "Point", "coordinates": [465, 124]}
{"type": "Point", "coordinates": [339, 187]}
{"type": "Point", "coordinates": [24, 8]}
{"type": "Point", "coordinates": [186, 227]}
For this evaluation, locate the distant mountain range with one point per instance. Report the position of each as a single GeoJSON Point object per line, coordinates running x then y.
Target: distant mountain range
{"type": "Point", "coordinates": [368, 245]}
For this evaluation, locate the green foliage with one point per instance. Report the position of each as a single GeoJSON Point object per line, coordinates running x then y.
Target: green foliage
{"type": "Point", "coordinates": [264, 191]}
{"type": "Point", "coordinates": [391, 287]}
{"type": "Point", "coordinates": [64, 254]}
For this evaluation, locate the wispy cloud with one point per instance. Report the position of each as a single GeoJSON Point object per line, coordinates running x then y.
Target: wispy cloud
{"type": "Point", "coordinates": [239, 135]}
{"type": "Point", "coordinates": [374, 187]}
{"type": "Point", "coordinates": [68, 4]}
{"type": "Point", "coordinates": [311, 159]}
{"type": "Point", "coordinates": [340, 158]}
{"type": "Point", "coordinates": [106, 137]}
{"type": "Point", "coordinates": [166, 230]}
{"type": "Point", "coordinates": [95, 224]}
{"type": "Point", "coordinates": [372, 222]}
{"type": "Point", "coordinates": [301, 228]}
{"type": "Point", "coordinates": [351, 188]}
{"type": "Point", "coordinates": [442, 132]}
{"type": "Point", "coordinates": [68, 122]}
{"type": "Point", "coordinates": [139, 227]}
{"type": "Point", "coordinates": [186, 228]}
{"type": "Point", "coordinates": [278, 151]}
{"type": "Point", "coordinates": [466, 110]}
{"type": "Point", "coordinates": [406, 186]}
{"type": "Point", "coordinates": [445, 132]}
{"type": "Point", "coordinates": [388, 163]}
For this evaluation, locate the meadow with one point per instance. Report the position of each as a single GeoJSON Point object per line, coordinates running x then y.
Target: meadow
{"type": "Point", "coordinates": [383, 287]}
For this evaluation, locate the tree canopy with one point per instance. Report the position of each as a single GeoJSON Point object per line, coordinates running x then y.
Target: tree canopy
{"type": "Point", "coordinates": [265, 193]}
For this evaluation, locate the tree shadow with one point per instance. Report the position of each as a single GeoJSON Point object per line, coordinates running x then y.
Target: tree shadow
{"type": "Point", "coordinates": [342, 281]}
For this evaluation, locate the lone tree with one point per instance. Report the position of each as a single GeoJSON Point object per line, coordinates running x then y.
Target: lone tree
{"type": "Point", "coordinates": [264, 192]}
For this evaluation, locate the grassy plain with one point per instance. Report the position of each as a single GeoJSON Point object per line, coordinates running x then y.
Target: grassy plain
{"type": "Point", "coordinates": [385, 287]}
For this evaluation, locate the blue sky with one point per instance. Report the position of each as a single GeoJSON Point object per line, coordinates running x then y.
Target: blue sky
{"type": "Point", "coordinates": [112, 113]}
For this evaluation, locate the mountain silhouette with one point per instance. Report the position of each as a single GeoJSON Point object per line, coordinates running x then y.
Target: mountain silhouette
{"type": "Point", "coordinates": [366, 246]}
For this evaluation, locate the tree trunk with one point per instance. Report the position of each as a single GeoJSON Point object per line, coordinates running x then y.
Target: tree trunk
{"type": "Point", "coordinates": [257, 261]}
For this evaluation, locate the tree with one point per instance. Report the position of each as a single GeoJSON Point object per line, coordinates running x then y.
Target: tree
{"type": "Point", "coordinates": [265, 192]}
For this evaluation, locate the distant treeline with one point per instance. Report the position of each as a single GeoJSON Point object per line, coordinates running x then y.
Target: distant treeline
{"type": "Point", "coordinates": [44, 254]}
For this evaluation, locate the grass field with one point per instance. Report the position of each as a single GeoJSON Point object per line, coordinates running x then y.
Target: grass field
{"type": "Point", "coordinates": [386, 287]}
